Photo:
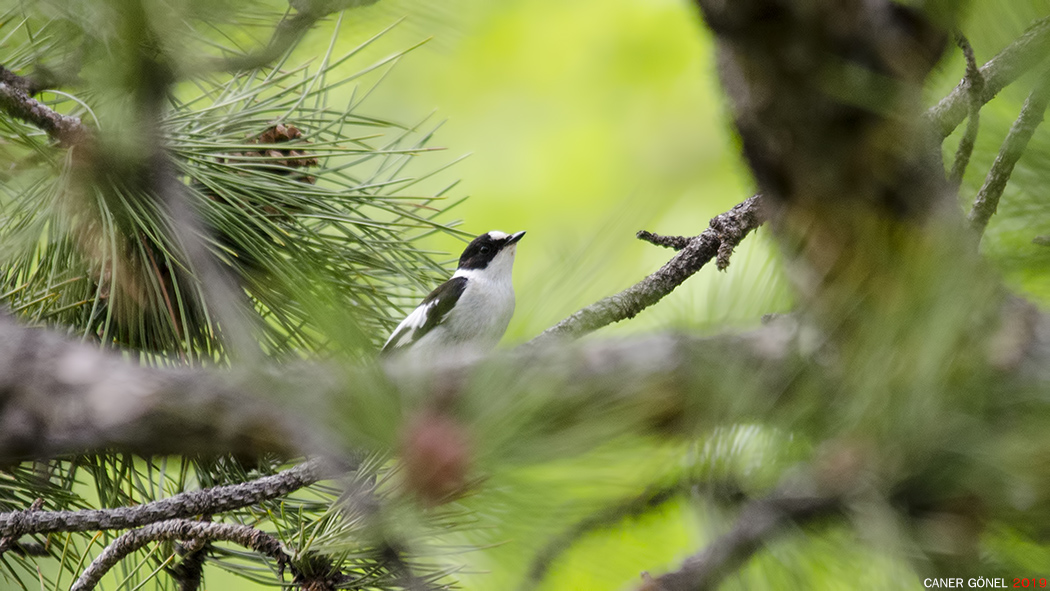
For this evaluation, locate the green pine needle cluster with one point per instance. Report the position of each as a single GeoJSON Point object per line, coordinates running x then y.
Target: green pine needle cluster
{"type": "Point", "coordinates": [309, 522]}
{"type": "Point", "coordinates": [307, 207]}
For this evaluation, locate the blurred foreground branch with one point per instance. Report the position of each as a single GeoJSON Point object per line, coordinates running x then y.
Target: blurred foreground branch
{"type": "Point", "coordinates": [759, 521]}
{"type": "Point", "coordinates": [725, 232]}
{"type": "Point", "coordinates": [60, 397]}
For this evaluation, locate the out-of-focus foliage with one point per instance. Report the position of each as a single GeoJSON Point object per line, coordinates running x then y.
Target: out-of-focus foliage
{"type": "Point", "coordinates": [586, 120]}
{"type": "Point", "coordinates": [301, 193]}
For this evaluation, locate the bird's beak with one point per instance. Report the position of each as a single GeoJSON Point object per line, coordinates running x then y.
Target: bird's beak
{"type": "Point", "coordinates": [515, 237]}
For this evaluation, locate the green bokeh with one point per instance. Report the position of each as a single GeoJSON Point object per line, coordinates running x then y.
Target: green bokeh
{"type": "Point", "coordinates": [584, 121]}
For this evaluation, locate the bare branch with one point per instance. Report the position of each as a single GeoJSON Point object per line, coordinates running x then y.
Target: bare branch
{"type": "Point", "coordinates": [759, 521]}
{"type": "Point", "coordinates": [987, 201]}
{"type": "Point", "coordinates": [15, 101]}
{"type": "Point", "coordinates": [673, 242]}
{"type": "Point", "coordinates": [188, 504]}
{"type": "Point", "coordinates": [178, 529]}
{"type": "Point", "coordinates": [975, 83]}
{"type": "Point", "coordinates": [725, 232]}
{"type": "Point", "coordinates": [1008, 65]}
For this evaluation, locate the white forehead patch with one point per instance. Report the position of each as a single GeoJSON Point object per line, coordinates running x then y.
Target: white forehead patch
{"type": "Point", "coordinates": [497, 235]}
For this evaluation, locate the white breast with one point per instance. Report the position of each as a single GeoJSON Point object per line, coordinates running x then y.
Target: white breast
{"type": "Point", "coordinates": [483, 311]}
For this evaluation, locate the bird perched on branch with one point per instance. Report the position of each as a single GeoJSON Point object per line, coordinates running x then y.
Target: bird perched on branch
{"type": "Point", "coordinates": [472, 309]}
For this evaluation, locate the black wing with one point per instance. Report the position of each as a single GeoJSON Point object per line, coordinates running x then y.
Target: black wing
{"type": "Point", "coordinates": [427, 315]}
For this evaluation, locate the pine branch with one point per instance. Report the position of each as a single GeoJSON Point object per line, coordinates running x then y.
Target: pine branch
{"type": "Point", "coordinates": [726, 231]}
{"type": "Point", "coordinates": [987, 200]}
{"type": "Point", "coordinates": [975, 83]}
{"type": "Point", "coordinates": [183, 505]}
{"type": "Point", "coordinates": [15, 101]}
{"type": "Point", "coordinates": [198, 219]}
{"type": "Point", "coordinates": [179, 529]}
{"type": "Point", "coordinates": [759, 521]}
{"type": "Point", "coordinates": [1024, 54]}
{"type": "Point", "coordinates": [225, 297]}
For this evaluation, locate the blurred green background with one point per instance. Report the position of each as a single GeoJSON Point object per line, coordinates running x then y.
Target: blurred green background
{"type": "Point", "coordinates": [582, 122]}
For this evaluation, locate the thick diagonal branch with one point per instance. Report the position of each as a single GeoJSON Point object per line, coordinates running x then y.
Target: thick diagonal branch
{"type": "Point", "coordinates": [759, 521]}
{"type": "Point", "coordinates": [178, 529]}
{"type": "Point", "coordinates": [188, 504]}
{"type": "Point", "coordinates": [987, 201]}
{"type": "Point", "coordinates": [725, 232]}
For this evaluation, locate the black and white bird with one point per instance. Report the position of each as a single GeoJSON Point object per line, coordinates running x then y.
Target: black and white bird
{"type": "Point", "coordinates": [472, 309]}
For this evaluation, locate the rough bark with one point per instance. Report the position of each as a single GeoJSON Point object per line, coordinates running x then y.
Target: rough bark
{"type": "Point", "coordinates": [219, 499]}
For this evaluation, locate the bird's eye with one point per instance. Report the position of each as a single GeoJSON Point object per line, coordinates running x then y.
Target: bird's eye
{"type": "Point", "coordinates": [485, 250]}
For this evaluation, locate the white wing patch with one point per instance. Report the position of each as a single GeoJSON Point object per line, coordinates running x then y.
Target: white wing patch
{"type": "Point", "coordinates": [405, 333]}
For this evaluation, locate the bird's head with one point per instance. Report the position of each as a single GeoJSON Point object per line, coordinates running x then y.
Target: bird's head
{"type": "Point", "coordinates": [492, 250]}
